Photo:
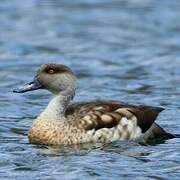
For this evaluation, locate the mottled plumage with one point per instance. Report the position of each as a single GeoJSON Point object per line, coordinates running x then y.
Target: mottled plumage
{"type": "Point", "coordinates": [98, 121]}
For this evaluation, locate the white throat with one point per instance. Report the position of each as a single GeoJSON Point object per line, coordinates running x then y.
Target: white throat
{"type": "Point", "coordinates": [56, 107]}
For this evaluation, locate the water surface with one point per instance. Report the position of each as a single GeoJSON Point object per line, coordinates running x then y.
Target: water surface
{"type": "Point", "coordinates": [127, 50]}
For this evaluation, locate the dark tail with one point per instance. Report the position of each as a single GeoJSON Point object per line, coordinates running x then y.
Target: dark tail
{"type": "Point", "coordinates": [176, 135]}
{"type": "Point", "coordinates": [167, 135]}
{"type": "Point", "coordinates": [157, 131]}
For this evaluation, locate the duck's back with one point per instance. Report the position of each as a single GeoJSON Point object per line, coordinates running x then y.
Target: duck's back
{"type": "Point", "coordinates": [112, 120]}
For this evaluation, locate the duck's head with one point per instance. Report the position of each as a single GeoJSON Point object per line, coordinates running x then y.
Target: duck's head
{"type": "Point", "coordinates": [56, 78]}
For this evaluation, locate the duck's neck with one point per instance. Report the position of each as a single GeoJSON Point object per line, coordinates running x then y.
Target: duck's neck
{"type": "Point", "coordinates": [56, 107]}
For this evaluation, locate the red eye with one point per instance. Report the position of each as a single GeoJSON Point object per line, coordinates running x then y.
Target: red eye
{"type": "Point", "coordinates": [51, 71]}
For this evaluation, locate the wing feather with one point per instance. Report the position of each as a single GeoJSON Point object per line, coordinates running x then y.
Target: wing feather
{"type": "Point", "coordinates": [108, 114]}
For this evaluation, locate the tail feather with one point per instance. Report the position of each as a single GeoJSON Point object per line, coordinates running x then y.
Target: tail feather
{"type": "Point", "coordinates": [176, 135]}
{"type": "Point", "coordinates": [167, 136]}
{"type": "Point", "coordinates": [156, 132]}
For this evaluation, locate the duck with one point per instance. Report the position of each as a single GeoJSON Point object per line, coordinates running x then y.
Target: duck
{"type": "Point", "coordinates": [63, 122]}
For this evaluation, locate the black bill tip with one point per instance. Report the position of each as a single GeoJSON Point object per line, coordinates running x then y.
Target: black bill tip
{"type": "Point", "coordinates": [18, 91]}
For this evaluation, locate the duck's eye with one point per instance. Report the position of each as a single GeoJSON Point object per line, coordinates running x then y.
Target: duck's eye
{"type": "Point", "coordinates": [51, 71]}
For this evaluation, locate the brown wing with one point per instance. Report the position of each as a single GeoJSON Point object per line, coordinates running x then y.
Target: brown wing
{"type": "Point", "coordinates": [107, 114]}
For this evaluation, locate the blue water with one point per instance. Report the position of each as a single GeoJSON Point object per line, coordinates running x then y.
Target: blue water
{"type": "Point", "coordinates": [127, 50]}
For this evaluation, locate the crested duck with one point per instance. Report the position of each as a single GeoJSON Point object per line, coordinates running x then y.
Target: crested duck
{"type": "Point", "coordinates": [96, 121]}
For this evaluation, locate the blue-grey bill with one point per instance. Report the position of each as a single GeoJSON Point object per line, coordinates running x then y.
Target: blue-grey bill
{"type": "Point", "coordinates": [34, 85]}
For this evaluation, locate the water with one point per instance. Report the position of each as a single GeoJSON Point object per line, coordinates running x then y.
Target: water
{"type": "Point", "coordinates": [126, 50]}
